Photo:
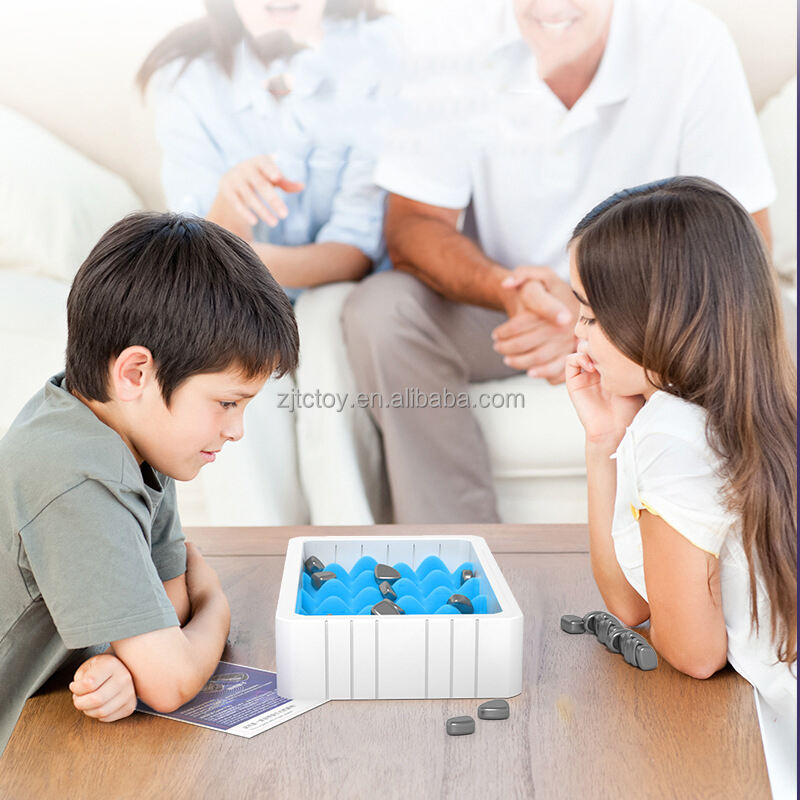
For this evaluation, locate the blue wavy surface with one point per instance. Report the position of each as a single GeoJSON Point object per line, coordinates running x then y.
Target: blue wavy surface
{"type": "Point", "coordinates": [421, 591]}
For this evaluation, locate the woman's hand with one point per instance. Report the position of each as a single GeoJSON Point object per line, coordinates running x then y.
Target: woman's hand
{"type": "Point", "coordinates": [604, 416]}
{"type": "Point", "coordinates": [247, 193]}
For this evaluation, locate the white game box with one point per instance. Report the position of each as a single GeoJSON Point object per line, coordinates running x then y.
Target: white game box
{"type": "Point", "coordinates": [357, 656]}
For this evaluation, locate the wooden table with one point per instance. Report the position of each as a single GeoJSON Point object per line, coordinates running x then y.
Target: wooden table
{"type": "Point", "coordinates": [587, 725]}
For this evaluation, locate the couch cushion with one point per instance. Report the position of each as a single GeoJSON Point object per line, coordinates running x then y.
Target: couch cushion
{"type": "Point", "coordinates": [535, 434]}
{"type": "Point", "coordinates": [33, 333]}
{"type": "Point", "coordinates": [54, 202]}
{"type": "Point", "coordinates": [778, 120]}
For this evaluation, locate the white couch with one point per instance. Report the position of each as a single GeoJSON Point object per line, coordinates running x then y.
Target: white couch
{"type": "Point", "coordinates": [92, 157]}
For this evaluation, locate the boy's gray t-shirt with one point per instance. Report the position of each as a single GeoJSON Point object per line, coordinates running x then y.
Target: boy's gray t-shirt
{"type": "Point", "coordinates": [86, 538]}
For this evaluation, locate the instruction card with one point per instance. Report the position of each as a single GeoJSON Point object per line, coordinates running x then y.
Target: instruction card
{"type": "Point", "coordinates": [240, 700]}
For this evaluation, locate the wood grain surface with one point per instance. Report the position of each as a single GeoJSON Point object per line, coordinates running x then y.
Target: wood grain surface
{"type": "Point", "coordinates": [587, 725]}
{"type": "Point", "coordinates": [500, 538]}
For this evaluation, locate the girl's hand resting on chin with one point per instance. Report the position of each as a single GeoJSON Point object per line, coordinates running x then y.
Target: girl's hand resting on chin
{"type": "Point", "coordinates": [604, 416]}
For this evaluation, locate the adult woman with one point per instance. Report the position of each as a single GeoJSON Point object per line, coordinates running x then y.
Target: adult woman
{"type": "Point", "coordinates": [267, 116]}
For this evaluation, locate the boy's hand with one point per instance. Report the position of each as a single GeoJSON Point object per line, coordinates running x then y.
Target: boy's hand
{"type": "Point", "coordinates": [103, 689]}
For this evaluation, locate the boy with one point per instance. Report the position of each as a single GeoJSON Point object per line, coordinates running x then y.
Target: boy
{"type": "Point", "coordinates": [174, 325]}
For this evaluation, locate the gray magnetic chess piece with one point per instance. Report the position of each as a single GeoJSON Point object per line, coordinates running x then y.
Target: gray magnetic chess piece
{"type": "Point", "coordinates": [572, 624]}
{"type": "Point", "coordinates": [462, 604]}
{"type": "Point", "coordinates": [318, 578]}
{"type": "Point", "coordinates": [646, 656]}
{"type": "Point", "coordinates": [589, 621]}
{"type": "Point", "coordinates": [460, 726]}
{"type": "Point", "coordinates": [608, 629]}
{"type": "Point", "coordinates": [613, 638]}
{"type": "Point", "coordinates": [312, 564]}
{"type": "Point", "coordinates": [637, 651]}
{"type": "Point", "coordinates": [383, 572]}
{"type": "Point", "coordinates": [629, 642]}
{"type": "Point", "coordinates": [386, 590]}
{"type": "Point", "coordinates": [466, 574]}
{"type": "Point", "coordinates": [493, 709]}
{"type": "Point", "coordinates": [386, 607]}
{"type": "Point", "coordinates": [627, 646]}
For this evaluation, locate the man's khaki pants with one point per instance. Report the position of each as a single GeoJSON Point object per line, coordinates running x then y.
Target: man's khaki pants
{"type": "Point", "coordinates": [406, 342]}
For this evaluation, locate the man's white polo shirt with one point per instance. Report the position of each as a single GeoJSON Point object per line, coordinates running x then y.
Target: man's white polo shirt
{"type": "Point", "coordinates": [669, 98]}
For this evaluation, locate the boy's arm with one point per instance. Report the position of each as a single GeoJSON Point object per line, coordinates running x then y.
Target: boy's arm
{"type": "Point", "coordinates": [102, 686]}
{"type": "Point", "coordinates": [179, 597]}
{"type": "Point", "coordinates": [169, 666]}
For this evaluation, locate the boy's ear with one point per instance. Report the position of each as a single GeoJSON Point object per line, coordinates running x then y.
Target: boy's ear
{"type": "Point", "coordinates": [131, 371]}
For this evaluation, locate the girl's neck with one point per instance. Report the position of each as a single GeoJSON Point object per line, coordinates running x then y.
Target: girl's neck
{"type": "Point", "coordinates": [649, 392]}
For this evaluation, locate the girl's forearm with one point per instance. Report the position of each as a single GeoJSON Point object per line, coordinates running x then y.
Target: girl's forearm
{"type": "Point", "coordinates": [313, 264]}
{"type": "Point", "coordinates": [620, 597]}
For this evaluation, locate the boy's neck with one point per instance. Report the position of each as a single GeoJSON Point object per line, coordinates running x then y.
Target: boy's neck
{"type": "Point", "coordinates": [109, 414]}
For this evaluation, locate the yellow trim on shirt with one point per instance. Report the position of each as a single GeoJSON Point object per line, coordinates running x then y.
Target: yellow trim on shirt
{"type": "Point", "coordinates": [649, 508]}
{"type": "Point", "coordinates": [637, 513]}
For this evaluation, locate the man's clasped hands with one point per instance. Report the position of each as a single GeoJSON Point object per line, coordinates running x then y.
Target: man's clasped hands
{"type": "Point", "coordinates": [539, 335]}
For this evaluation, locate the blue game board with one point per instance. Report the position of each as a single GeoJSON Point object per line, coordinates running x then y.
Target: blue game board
{"type": "Point", "coordinates": [421, 591]}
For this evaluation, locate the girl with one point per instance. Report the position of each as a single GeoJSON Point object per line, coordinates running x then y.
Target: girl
{"type": "Point", "coordinates": [686, 389]}
{"type": "Point", "coordinates": [267, 113]}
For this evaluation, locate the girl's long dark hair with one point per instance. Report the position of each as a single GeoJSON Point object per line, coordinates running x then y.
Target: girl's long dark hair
{"type": "Point", "coordinates": [678, 277]}
{"type": "Point", "coordinates": [220, 30]}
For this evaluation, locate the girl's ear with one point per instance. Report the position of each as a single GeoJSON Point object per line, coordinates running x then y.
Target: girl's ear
{"type": "Point", "coordinates": [131, 372]}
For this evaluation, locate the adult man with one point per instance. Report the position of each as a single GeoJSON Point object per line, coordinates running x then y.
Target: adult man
{"type": "Point", "coordinates": [595, 96]}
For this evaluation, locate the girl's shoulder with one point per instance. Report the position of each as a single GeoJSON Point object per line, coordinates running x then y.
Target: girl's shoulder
{"type": "Point", "coordinates": [665, 465]}
{"type": "Point", "coordinates": [667, 442]}
{"type": "Point", "coordinates": [665, 414]}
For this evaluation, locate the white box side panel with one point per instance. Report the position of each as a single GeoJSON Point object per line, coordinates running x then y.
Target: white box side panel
{"type": "Point", "coordinates": [300, 657]}
{"type": "Point", "coordinates": [424, 548]}
{"type": "Point", "coordinates": [439, 657]}
{"type": "Point", "coordinates": [326, 552]}
{"type": "Point", "coordinates": [500, 658]}
{"type": "Point", "coordinates": [401, 657]}
{"type": "Point", "coordinates": [457, 551]}
{"type": "Point", "coordinates": [375, 548]}
{"type": "Point", "coordinates": [464, 657]}
{"type": "Point", "coordinates": [402, 550]}
{"type": "Point", "coordinates": [363, 659]}
{"type": "Point", "coordinates": [338, 655]}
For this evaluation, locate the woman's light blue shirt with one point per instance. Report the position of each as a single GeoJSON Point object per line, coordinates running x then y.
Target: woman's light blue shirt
{"type": "Point", "coordinates": [325, 133]}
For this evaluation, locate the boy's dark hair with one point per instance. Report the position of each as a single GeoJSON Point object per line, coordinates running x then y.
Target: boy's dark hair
{"type": "Point", "coordinates": [189, 291]}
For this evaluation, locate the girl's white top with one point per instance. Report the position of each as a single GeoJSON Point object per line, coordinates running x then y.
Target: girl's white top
{"type": "Point", "coordinates": [665, 465]}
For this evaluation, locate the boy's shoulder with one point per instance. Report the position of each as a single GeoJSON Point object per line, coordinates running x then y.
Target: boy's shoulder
{"type": "Point", "coordinates": [56, 443]}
